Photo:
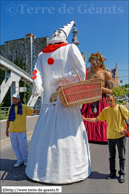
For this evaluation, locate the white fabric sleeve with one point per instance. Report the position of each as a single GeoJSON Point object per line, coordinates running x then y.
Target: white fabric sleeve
{"type": "Point", "coordinates": [71, 76]}
{"type": "Point", "coordinates": [38, 81]}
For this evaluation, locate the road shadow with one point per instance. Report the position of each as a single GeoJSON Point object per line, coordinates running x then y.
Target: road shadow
{"type": "Point", "coordinates": [97, 175]}
{"type": "Point", "coordinates": [8, 172]}
{"type": "Point", "coordinates": [55, 184]}
{"type": "Point", "coordinates": [98, 142]}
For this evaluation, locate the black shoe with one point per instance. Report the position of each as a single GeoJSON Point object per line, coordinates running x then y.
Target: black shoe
{"type": "Point", "coordinates": [121, 179]}
{"type": "Point", "coordinates": [111, 175]}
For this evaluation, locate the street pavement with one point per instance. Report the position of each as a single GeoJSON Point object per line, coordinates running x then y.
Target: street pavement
{"type": "Point", "coordinates": [95, 183]}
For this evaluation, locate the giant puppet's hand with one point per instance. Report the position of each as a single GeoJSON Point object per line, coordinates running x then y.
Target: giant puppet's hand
{"type": "Point", "coordinates": [38, 77]}
{"type": "Point", "coordinates": [37, 89]}
{"type": "Point", "coordinates": [71, 76]}
{"type": "Point", "coordinates": [54, 80]}
{"type": "Point", "coordinates": [57, 81]}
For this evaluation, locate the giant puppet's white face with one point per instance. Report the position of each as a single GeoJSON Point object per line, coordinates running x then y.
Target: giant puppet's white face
{"type": "Point", "coordinates": [58, 36]}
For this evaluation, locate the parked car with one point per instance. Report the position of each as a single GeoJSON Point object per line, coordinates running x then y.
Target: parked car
{"type": "Point", "coordinates": [126, 97]}
{"type": "Point", "coordinates": [120, 98]}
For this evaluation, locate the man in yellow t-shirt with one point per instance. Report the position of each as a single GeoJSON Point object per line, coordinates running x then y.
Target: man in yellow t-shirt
{"type": "Point", "coordinates": [115, 134]}
{"type": "Point", "coordinates": [16, 123]}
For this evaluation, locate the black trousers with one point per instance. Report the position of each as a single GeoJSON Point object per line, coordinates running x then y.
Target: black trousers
{"type": "Point", "coordinates": [121, 142]}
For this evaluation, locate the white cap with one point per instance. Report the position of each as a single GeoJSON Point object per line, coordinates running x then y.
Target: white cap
{"type": "Point", "coordinates": [61, 34]}
{"type": "Point", "coordinates": [16, 95]}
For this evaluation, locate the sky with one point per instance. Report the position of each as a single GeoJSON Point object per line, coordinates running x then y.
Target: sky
{"type": "Point", "coordinates": [102, 26]}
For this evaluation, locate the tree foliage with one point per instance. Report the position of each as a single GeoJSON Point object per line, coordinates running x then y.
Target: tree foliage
{"type": "Point", "coordinates": [119, 91]}
{"type": "Point", "coordinates": [127, 85]}
{"type": "Point", "coordinates": [23, 95]}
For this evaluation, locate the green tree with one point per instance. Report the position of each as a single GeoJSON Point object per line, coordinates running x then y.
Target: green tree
{"type": "Point", "coordinates": [127, 85]}
{"type": "Point", "coordinates": [3, 112]}
{"type": "Point", "coordinates": [119, 91]}
{"type": "Point", "coordinates": [24, 95]}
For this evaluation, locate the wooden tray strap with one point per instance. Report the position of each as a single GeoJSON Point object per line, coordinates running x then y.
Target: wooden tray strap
{"type": "Point", "coordinates": [78, 75]}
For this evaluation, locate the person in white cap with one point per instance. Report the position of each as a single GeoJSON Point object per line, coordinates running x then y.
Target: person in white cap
{"type": "Point", "coordinates": [58, 151]}
{"type": "Point", "coordinates": [16, 129]}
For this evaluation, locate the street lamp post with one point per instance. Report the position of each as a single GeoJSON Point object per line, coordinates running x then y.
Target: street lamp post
{"type": "Point", "coordinates": [31, 51]}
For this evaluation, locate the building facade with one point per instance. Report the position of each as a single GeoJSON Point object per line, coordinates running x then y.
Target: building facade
{"type": "Point", "coordinates": [29, 47]}
{"type": "Point", "coordinates": [25, 49]}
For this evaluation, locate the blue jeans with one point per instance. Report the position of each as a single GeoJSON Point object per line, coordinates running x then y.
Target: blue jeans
{"type": "Point", "coordinates": [121, 142]}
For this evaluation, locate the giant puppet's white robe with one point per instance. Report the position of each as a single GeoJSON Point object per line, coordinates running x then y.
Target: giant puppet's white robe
{"type": "Point", "coordinates": [59, 150]}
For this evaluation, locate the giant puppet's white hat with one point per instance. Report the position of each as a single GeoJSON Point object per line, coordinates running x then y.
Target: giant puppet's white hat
{"type": "Point", "coordinates": [61, 34]}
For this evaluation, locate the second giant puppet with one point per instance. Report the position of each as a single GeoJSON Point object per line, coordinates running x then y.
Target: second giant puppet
{"type": "Point", "coordinates": [59, 151]}
{"type": "Point", "coordinates": [97, 131]}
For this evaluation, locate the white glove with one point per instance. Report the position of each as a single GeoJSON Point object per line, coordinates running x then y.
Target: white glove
{"type": "Point", "coordinates": [37, 89]}
{"type": "Point", "coordinates": [54, 80]}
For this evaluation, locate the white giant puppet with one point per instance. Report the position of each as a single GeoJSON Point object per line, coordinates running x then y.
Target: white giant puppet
{"type": "Point", "coordinates": [59, 151]}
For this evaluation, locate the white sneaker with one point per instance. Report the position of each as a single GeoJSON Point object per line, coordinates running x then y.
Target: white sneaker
{"type": "Point", "coordinates": [25, 162]}
{"type": "Point", "coordinates": [17, 164]}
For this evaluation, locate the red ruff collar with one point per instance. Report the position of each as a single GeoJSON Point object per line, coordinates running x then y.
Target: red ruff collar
{"type": "Point", "coordinates": [53, 47]}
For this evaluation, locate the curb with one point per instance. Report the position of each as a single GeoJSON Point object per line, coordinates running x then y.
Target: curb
{"type": "Point", "coordinates": [7, 140]}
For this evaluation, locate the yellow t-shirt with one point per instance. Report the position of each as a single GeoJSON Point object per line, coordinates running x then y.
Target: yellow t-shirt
{"type": "Point", "coordinates": [114, 119]}
{"type": "Point", "coordinates": [19, 124]}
